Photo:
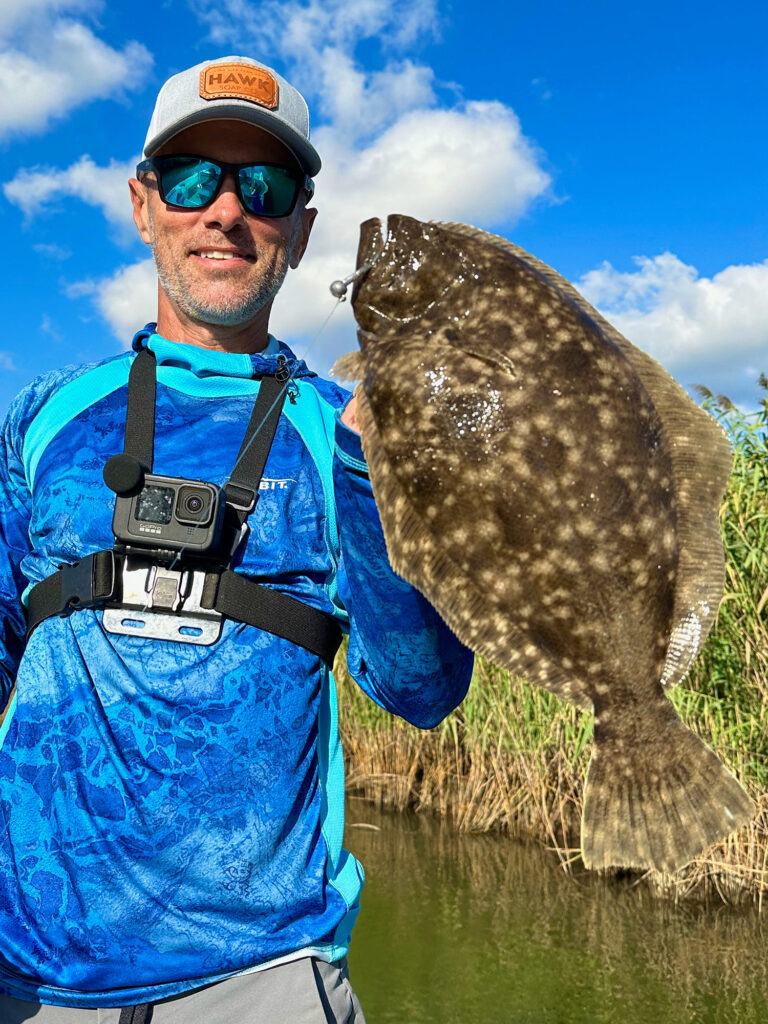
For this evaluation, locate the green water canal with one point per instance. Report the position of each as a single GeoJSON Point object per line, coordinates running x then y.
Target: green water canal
{"type": "Point", "coordinates": [468, 929]}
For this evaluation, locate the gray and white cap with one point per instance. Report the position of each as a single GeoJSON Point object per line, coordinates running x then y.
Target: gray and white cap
{"type": "Point", "coordinates": [234, 89]}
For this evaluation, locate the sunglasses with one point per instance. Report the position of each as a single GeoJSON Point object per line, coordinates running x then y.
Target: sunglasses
{"type": "Point", "coordinates": [193, 182]}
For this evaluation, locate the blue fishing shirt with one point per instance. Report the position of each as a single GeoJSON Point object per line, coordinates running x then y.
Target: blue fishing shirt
{"type": "Point", "coordinates": [172, 814]}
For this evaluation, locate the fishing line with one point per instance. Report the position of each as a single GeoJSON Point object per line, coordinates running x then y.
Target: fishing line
{"type": "Point", "coordinates": [286, 384]}
{"type": "Point", "coordinates": [339, 291]}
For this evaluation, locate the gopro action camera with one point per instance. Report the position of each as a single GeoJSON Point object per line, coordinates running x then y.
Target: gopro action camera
{"type": "Point", "coordinates": [171, 513]}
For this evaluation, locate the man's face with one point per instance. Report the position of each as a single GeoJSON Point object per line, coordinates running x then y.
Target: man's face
{"type": "Point", "coordinates": [185, 243]}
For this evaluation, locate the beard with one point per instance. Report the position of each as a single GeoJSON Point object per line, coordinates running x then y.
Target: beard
{"type": "Point", "coordinates": [235, 306]}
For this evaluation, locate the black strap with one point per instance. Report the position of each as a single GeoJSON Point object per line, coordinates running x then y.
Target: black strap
{"type": "Point", "coordinates": [245, 600]}
{"type": "Point", "coordinates": [140, 414]}
{"type": "Point", "coordinates": [90, 581]}
{"type": "Point", "coordinates": [140, 1014]}
{"type": "Point", "coordinates": [94, 580]}
{"type": "Point", "coordinates": [242, 488]}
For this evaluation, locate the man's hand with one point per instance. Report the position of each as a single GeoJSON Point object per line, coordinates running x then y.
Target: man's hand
{"type": "Point", "coordinates": [349, 417]}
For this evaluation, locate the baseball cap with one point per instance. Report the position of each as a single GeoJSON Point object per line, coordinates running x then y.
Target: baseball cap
{"type": "Point", "coordinates": [235, 89]}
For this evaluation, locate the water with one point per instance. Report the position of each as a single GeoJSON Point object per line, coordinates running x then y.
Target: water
{"type": "Point", "coordinates": [469, 929]}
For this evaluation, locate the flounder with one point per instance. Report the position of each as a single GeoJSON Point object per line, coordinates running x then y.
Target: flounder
{"type": "Point", "coordinates": [554, 494]}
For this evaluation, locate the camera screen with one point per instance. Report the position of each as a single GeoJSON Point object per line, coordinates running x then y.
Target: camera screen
{"type": "Point", "coordinates": [155, 504]}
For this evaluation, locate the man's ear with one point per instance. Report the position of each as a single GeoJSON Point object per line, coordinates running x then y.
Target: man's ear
{"type": "Point", "coordinates": [307, 220]}
{"type": "Point", "coordinates": [140, 201]}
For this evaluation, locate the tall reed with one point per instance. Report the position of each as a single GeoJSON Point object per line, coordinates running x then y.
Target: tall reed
{"type": "Point", "coordinates": [513, 757]}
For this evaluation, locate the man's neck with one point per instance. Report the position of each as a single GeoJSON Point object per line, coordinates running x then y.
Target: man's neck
{"type": "Point", "coordinates": [249, 338]}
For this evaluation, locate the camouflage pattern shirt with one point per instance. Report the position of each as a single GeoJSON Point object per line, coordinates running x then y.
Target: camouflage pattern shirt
{"type": "Point", "coordinates": [172, 814]}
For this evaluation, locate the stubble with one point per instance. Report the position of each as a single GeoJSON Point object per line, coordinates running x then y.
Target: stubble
{"type": "Point", "coordinates": [200, 305]}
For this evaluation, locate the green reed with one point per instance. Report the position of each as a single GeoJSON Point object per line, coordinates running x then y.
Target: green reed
{"type": "Point", "coordinates": [513, 757]}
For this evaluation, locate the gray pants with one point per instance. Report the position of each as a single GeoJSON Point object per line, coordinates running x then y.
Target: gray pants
{"type": "Point", "coordinates": [305, 991]}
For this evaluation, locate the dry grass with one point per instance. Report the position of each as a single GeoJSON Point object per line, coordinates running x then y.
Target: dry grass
{"type": "Point", "coordinates": [513, 757]}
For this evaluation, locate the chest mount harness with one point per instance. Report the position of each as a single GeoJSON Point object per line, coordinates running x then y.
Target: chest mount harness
{"type": "Point", "coordinates": [168, 575]}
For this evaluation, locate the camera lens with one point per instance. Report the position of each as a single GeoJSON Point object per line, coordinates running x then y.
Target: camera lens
{"type": "Point", "coordinates": [194, 505]}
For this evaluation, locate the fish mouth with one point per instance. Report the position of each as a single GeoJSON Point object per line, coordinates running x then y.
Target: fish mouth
{"type": "Point", "coordinates": [389, 247]}
{"type": "Point", "coordinates": [394, 287]}
{"type": "Point", "coordinates": [369, 249]}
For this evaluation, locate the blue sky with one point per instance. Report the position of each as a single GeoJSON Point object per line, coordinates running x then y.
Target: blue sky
{"type": "Point", "coordinates": [625, 145]}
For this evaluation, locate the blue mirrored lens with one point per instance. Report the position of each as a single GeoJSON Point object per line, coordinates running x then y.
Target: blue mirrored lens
{"type": "Point", "coordinates": [191, 182]}
{"type": "Point", "coordinates": [268, 191]}
{"type": "Point", "coordinates": [188, 183]}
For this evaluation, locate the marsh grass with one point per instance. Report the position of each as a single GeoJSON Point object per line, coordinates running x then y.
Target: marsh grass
{"type": "Point", "coordinates": [513, 757]}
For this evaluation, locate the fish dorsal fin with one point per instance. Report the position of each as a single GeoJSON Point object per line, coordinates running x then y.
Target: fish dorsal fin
{"type": "Point", "coordinates": [416, 556]}
{"type": "Point", "coordinates": [700, 455]}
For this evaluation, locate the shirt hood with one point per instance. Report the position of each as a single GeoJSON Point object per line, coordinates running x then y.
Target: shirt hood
{"type": "Point", "coordinates": [203, 362]}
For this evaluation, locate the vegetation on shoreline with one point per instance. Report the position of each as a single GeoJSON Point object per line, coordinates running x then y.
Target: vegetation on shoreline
{"type": "Point", "coordinates": [513, 757]}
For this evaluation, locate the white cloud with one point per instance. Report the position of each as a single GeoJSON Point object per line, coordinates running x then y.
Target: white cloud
{"type": "Point", "coordinates": [15, 12]}
{"type": "Point", "coordinates": [318, 40]}
{"type": "Point", "coordinates": [419, 167]}
{"type": "Point", "coordinates": [359, 103]}
{"type": "Point", "coordinates": [542, 90]}
{"type": "Point", "coordinates": [103, 187]}
{"type": "Point", "coordinates": [469, 163]}
{"type": "Point", "coordinates": [48, 326]}
{"type": "Point", "coordinates": [127, 300]}
{"type": "Point", "coordinates": [306, 31]}
{"type": "Point", "coordinates": [711, 331]}
{"type": "Point", "coordinates": [77, 289]}
{"type": "Point", "coordinates": [52, 64]}
{"type": "Point", "coordinates": [309, 319]}
{"type": "Point", "coordinates": [53, 251]}
{"type": "Point", "coordinates": [386, 146]}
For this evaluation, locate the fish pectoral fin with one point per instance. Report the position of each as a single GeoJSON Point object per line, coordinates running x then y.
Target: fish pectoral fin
{"type": "Point", "coordinates": [349, 367]}
{"type": "Point", "coordinates": [473, 346]}
{"type": "Point", "coordinates": [655, 795]}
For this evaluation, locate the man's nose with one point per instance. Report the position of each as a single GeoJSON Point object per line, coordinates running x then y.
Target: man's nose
{"type": "Point", "coordinates": [226, 210]}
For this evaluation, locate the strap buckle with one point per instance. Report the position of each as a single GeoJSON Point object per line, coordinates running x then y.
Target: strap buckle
{"type": "Point", "coordinates": [241, 499]}
{"type": "Point", "coordinates": [89, 581]}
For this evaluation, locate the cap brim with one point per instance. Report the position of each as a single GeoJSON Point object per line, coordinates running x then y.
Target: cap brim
{"type": "Point", "coordinates": [304, 152]}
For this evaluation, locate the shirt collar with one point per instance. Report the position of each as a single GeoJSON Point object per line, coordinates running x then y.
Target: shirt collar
{"type": "Point", "coordinates": [204, 362]}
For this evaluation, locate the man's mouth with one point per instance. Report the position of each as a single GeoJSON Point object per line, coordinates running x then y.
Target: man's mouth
{"type": "Point", "coordinates": [223, 254]}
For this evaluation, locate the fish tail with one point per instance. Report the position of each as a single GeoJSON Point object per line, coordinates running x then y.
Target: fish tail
{"type": "Point", "coordinates": [655, 797]}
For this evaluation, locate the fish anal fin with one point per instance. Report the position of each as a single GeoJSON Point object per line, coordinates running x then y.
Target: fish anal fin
{"type": "Point", "coordinates": [700, 454]}
{"type": "Point", "coordinates": [655, 800]}
{"type": "Point", "coordinates": [416, 556]}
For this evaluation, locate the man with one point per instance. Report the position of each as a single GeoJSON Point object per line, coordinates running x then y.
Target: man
{"type": "Point", "coordinates": [171, 801]}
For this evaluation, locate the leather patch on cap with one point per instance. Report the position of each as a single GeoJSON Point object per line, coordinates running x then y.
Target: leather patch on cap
{"type": "Point", "coordinates": [239, 81]}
